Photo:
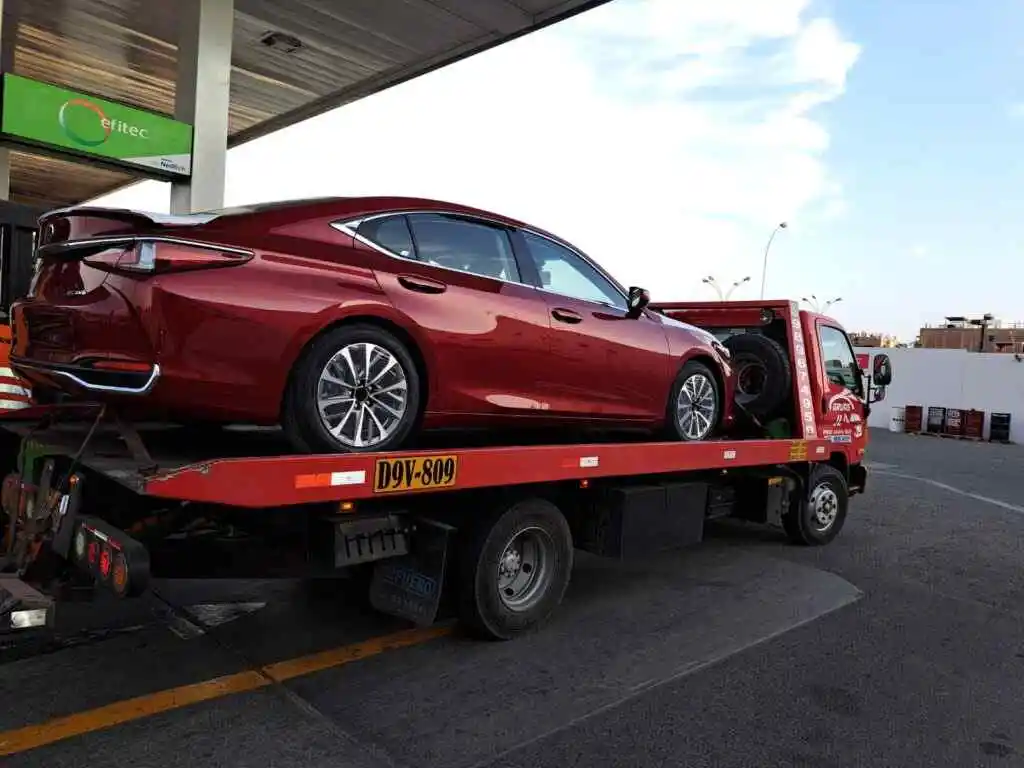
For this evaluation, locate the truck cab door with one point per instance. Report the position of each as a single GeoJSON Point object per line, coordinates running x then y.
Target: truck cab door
{"type": "Point", "coordinates": [843, 412]}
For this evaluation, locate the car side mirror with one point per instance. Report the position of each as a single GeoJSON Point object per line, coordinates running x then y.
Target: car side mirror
{"type": "Point", "coordinates": [881, 371]}
{"type": "Point", "coordinates": [638, 299]}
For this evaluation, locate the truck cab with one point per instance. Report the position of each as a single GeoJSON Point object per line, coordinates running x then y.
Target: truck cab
{"type": "Point", "coordinates": [830, 398]}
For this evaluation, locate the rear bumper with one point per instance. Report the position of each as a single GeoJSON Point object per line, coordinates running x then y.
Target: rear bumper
{"type": "Point", "coordinates": [22, 606]}
{"type": "Point", "coordinates": [86, 379]}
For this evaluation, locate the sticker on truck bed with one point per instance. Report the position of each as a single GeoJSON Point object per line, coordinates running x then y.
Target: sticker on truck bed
{"type": "Point", "coordinates": [414, 473]}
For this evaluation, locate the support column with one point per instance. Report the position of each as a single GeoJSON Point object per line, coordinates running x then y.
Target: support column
{"type": "Point", "coordinates": [8, 39]}
{"type": "Point", "coordinates": [202, 99]}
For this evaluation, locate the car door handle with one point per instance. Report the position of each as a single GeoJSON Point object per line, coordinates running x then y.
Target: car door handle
{"type": "Point", "coordinates": [566, 316]}
{"type": "Point", "coordinates": [422, 284]}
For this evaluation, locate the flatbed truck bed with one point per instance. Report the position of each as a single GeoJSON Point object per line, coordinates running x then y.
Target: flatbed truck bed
{"type": "Point", "coordinates": [251, 468]}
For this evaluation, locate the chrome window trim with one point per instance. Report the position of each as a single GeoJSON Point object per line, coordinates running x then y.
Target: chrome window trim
{"type": "Point", "coordinates": [591, 263]}
{"type": "Point", "coordinates": [349, 227]}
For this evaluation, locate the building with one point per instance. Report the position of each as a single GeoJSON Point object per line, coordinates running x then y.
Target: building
{"type": "Point", "coordinates": [873, 339]}
{"type": "Point", "coordinates": [978, 334]}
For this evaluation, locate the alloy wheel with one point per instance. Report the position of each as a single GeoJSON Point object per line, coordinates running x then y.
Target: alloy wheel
{"type": "Point", "coordinates": [362, 395]}
{"type": "Point", "coordinates": [696, 407]}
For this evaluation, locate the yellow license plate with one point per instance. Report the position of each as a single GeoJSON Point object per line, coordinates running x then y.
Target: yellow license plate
{"type": "Point", "coordinates": [414, 473]}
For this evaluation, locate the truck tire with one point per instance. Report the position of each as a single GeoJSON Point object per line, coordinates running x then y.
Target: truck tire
{"type": "Point", "coordinates": [819, 517]}
{"type": "Point", "coordinates": [763, 374]}
{"type": "Point", "coordinates": [514, 567]}
{"type": "Point", "coordinates": [323, 375]}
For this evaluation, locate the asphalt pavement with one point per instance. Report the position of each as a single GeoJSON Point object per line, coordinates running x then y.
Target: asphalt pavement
{"type": "Point", "coordinates": [900, 644]}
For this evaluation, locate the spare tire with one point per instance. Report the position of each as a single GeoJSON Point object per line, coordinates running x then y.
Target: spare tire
{"type": "Point", "coordinates": [763, 374]}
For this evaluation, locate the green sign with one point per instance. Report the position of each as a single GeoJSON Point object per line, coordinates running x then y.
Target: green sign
{"type": "Point", "coordinates": [44, 114]}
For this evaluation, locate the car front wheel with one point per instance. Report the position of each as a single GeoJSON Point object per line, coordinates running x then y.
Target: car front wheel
{"type": "Point", "coordinates": [695, 403]}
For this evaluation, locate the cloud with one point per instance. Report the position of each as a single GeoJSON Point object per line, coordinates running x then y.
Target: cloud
{"type": "Point", "coordinates": [665, 138]}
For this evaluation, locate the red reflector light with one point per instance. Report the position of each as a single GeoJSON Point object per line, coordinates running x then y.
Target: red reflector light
{"type": "Point", "coordinates": [154, 256]}
{"type": "Point", "coordinates": [106, 558]}
{"type": "Point", "coordinates": [119, 580]}
{"type": "Point", "coordinates": [122, 365]}
{"type": "Point", "coordinates": [94, 552]}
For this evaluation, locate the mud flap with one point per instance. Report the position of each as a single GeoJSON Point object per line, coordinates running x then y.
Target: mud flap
{"type": "Point", "coordinates": [410, 586]}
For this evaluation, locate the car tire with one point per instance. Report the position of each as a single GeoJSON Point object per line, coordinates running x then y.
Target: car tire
{"type": "Point", "coordinates": [323, 375]}
{"type": "Point", "coordinates": [820, 516]}
{"type": "Point", "coordinates": [494, 604]}
{"type": "Point", "coordinates": [762, 372]}
{"type": "Point", "coordinates": [694, 381]}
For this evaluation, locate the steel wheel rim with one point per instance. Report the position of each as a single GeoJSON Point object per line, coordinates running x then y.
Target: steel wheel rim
{"type": "Point", "coordinates": [525, 569]}
{"type": "Point", "coordinates": [751, 376]}
{"type": "Point", "coordinates": [696, 407]}
{"type": "Point", "coordinates": [824, 503]}
{"type": "Point", "coordinates": [362, 395]}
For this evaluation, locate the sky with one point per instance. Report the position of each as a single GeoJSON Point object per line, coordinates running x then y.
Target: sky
{"type": "Point", "coordinates": [668, 139]}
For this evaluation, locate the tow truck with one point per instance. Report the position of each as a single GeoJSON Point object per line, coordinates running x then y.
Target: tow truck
{"type": "Point", "coordinates": [486, 531]}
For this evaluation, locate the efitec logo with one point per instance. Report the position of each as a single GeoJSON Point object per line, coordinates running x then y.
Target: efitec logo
{"type": "Point", "coordinates": [86, 124]}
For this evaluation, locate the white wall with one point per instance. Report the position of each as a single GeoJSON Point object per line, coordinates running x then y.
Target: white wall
{"type": "Point", "coordinates": [953, 378]}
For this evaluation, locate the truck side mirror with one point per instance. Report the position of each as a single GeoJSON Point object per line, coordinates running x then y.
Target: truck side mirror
{"type": "Point", "coordinates": [638, 299]}
{"type": "Point", "coordinates": [881, 371]}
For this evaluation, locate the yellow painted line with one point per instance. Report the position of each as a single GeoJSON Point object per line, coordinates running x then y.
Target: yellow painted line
{"type": "Point", "coordinates": [33, 736]}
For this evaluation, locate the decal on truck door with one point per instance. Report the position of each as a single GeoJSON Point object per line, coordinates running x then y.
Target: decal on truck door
{"type": "Point", "coordinates": [803, 379]}
{"type": "Point", "coordinates": [844, 412]}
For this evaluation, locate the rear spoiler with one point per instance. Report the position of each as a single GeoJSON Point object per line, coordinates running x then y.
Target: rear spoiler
{"type": "Point", "coordinates": [160, 219]}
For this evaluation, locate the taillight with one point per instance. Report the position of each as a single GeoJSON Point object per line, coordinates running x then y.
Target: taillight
{"type": "Point", "coordinates": [159, 256]}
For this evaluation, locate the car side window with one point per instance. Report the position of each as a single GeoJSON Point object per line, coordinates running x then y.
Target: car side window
{"type": "Point", "coordinates": [840, 364]}
{"type": "Point", "coordinates": [565, 272]}
{"type": "Point", "coordinates": [468, 246]}
{"type": "Point", "coordinates": [391, 233]}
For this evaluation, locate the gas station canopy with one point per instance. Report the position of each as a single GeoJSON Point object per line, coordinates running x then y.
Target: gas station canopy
{"type": "Point", "coordinates": [289, 60]}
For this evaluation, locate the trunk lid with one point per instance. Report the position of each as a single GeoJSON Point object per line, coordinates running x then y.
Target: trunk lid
{"type": "Point", "coordinates": [74, 304]}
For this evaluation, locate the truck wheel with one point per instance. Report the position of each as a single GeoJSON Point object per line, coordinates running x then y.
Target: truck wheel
{"type": "Point", "coordinates": [819, 518]}
{"type": "Point", "coordinates": [514, 569]}
{"type": "Point", "coordinates": [762, 371]}
{"type": "Point", "coordinates": [694, 404]}
{"type": "Point", "coordinates": [355, 389]}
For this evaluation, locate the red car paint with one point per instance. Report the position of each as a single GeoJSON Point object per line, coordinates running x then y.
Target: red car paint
{"type": "Point", "coordinates": [227, 335]}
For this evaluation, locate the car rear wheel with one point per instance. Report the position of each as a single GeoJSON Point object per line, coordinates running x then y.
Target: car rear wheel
{"type": "Point", "coordinates": [356, 389]}
{"type": "Point", "coordinates": [695, 403]}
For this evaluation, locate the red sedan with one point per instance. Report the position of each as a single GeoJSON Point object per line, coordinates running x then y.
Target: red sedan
{"type": "Point", "coordinates": [355, 323]}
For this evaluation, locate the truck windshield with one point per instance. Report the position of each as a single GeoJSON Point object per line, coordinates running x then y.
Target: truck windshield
{"type": "Point", "coordinates": [840, 362]}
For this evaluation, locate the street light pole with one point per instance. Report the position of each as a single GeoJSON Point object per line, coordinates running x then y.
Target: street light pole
{"type": "Point", "coordinates": [710, 280]}
{"type": "Point", "coordinates": [736, 285]}
{"type": "Point", "coordinates": [764, 267]}
{"type": "Point", "coordinates": [818, 307]}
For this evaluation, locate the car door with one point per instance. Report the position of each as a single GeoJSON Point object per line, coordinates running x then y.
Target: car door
{"type": "Point", "coordinates": [843, 416]}
{"type": "Point", "coordinates": [603, 362]}
{"type": "Point", "coordinates": [458, 280]}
